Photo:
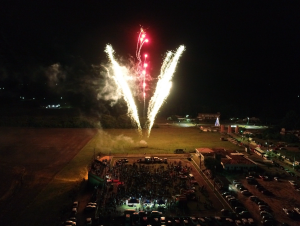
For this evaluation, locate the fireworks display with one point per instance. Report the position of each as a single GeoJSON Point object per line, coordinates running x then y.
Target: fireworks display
{"type": "Point", "coordinates": [119, 77]}
{"type": "Point", "coordinates": [163, 85]}
{"type": "Point", "coordinates": [141, 70]}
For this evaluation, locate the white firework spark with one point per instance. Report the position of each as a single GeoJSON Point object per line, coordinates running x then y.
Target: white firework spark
{"type": "Point", "coordinates": [163, 86]}
{"type": "Point", "coordinates": [119, 77]}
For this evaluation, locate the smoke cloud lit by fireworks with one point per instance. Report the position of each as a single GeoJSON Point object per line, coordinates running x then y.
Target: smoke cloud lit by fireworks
{"type": "Point", "coordinates": [55, 74]}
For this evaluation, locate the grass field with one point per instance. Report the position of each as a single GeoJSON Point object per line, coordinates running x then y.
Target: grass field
{"type": "Point", "coordinates": [57, 196]}
{"type": "Point", "coordinates": [161, 140]}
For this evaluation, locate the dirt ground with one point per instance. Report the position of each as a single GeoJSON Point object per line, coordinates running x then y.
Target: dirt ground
{"type": "Point", "coordinates": [284, 195]}
{"type": "Point", "coordinates": [29, 159]}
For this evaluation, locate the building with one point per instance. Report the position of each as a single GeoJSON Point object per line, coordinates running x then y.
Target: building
{"type": "Point", "coordinates": [238, 162]}
{"type": "Point", "coordinates": [208, 116]}
{"type": "Point", "coordinates": [205, 153]}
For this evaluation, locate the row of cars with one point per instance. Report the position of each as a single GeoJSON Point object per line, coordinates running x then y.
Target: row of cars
{"type": "Point", "coordinates": [72, 221]}
{"type": "Point", "coordinates": [264, 209]}
{"type": "Point", "coordinates": [242, 215]}
{"type": "Point", "coordinates": [152, 160]}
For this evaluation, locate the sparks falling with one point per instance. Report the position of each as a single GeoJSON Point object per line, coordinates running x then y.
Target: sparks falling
{"type": "Point", "coordinates": [163, 86]}
{"type": "Point", "coordinates": [119, 77]}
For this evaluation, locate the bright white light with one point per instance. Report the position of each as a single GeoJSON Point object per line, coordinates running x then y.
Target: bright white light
{"type": "Point", "coordinates": [164, 85]}
{"type": "Point", "coordinates": [120, 79]}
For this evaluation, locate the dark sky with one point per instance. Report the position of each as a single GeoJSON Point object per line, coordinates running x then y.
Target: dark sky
{"type": "Point", "coordinates": [242, 55]}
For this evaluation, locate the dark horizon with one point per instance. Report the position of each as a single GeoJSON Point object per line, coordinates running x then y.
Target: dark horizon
{"type": "Point", "coordinates": [242, 58]}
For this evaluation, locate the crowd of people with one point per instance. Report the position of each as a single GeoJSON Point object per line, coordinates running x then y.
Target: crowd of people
{"type": "Point", "coordinates": [146, 186]}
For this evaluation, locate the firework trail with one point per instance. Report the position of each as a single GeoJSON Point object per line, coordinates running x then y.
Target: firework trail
{"type": "Point", "coordinates": [141, 40]}
{"type": "Point", "coordinates": [141, 70]}
{"type": "Point", "coordinates": [119, 77]}
{"type": "Point", "coordinates": [164, 85]}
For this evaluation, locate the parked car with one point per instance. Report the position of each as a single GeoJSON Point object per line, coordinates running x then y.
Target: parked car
{"type": "Point", "coordinates": [264, 208]}
{"type": "Point", "coordinates": [74, 211]}
{"type": "Point", "coordinates": [253, 198]}
{"type": "Point", "coordinates": [239, 209]}
{"type": "Point", "coordinates": [251, 221]}
{"type": "Point", "coordinates": [238, 223]}
{"type": "Point", "coordinates": [75, 204]}
{"type": "Point", "coordinates": [297, 210]}
{"type": "Point", "coordinates": [69, 222]}
{"type": "Point", "coordinates": [265, 213]}
{"type": "Point", "coordinates": [246, 193]}
{"type": "Point", "coordinates": [236, 182]}
{"type": "Point", "coordinates": [244, 214]}
{"type": "Point", "coordinates": [179, 151]}
{"type": "Point", "coordinates": [288, 212]}
{"type": "Point", "coordinates": [88, 221]}
{"type": "Point", "coordinates": [226, 193]}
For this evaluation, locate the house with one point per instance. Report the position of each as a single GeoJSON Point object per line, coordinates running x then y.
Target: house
{"type": "Point", "coordinates": [237, 162]}
{"type": "Point", "coordinates": [208, 116]}
{"type": "Point", "coordinates": [205, 153]}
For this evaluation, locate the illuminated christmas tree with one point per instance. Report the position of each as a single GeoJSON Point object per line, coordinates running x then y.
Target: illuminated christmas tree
{"type": "Point", "coordinates": [217, 123]}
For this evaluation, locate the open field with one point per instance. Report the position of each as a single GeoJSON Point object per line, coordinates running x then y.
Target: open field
{"type": "Point", "coordinates": [29, 159]}
{"type": "Point", "coordinates": [162, 140]}
{"type": "Point", "coordinates": [39, 156]}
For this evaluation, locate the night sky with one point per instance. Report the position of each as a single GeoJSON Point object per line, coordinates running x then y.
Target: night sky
{"type": "Point", "coordinates": [242, 57]}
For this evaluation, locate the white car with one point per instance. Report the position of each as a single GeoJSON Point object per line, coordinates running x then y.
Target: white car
{"type": "Point", "coordinates": [253, 198]}
{"type": "Point", "coordinates": [74, 211]}
{"type": "Point", "coordinates": [229, 197]}
{"type": "Point", "coordinates": [288, 212]}
{"type": "Point", "coordinates": [75, 204]}
{"type": "Point", "coordinates": [265, 213]}
{"type": "Point", "coordinates": [293, 183]}
{"type": "Point", "coordinates": [250, 221]}
{"type": "Point", "coordinates": [236, 182]}
{"type": "Point", "coordinates": [238, 223]}
{"type": "Point", "coordinates": [238, 185]}
{"type": "Point", "coordinates": [245, 221]}
{"type": "Point", "coordinates": [297, 210]}
{"type": "Point", "coordinates": [69, 222]}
